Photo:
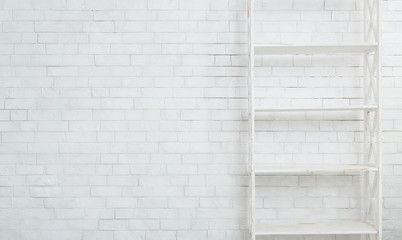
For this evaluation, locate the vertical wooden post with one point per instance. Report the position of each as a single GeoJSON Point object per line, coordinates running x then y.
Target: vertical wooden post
{"type": "Point", "coordinates": [379, 117]}
{"type": "Point", "coordinates": [366, 119]}
{"type": "Point", "coordinates": [251, 122]}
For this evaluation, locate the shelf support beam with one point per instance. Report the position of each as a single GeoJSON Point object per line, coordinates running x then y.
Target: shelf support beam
{"type": "Point", "coordinates": [251, 116]}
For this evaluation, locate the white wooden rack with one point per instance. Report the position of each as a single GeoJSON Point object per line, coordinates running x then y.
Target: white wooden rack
{"type": "Point", "coordinates": [370, 226]}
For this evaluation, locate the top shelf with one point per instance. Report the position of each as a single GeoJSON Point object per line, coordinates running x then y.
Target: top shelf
{"type": "Point", "coordinates": [315, 49]}
{"type": "Point", "coordinates": [318, 109]}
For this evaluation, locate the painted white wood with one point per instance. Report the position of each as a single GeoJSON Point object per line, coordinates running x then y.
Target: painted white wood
{"type": "Point", "coordinates": [317, 109]}
{"type": "Point", "coordinates": [251, 115]}
{"type": "Point", "coordinates": [379, 119]}
{"type": "Point", "coordinates": [315, 228]}
{"type": "Point", "coordinates": [263, 170]}
{"type": "Point", "coordinates": [364, 175]}
{"type": "Point", "coordinates": [316, 49]}
{"type": "Point", "coordinates": [371, 189]}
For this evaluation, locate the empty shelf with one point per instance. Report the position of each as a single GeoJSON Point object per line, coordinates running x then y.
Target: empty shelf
{"type": "Point", "coordinates": [314, 228]}
{"type": "Point", "coordinates": [315, 49]}
{"type": "Point", "coordinates": [317, 109]}
{"type": "Point", "coordinates": [263, 170]}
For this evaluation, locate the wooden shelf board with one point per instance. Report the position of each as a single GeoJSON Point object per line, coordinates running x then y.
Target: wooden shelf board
{"type": "Point", "coordinates": [261, 49]}
{"type": "Point", "coordinates": [263, 170]}
{"type": "Point", "coordinates": [314, 228]}
{"type": "Point", "coordinates": [317, 109]}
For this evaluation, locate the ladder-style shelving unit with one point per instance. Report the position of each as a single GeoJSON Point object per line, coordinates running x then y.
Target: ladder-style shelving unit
{"type": "Point", "coordinates": [370, 226]}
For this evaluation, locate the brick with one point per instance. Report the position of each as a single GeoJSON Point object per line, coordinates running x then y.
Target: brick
{"type": "Point", "coordinates": [165, 26]}
{"type": "Point", "coordinates": [69, 15]}
{"type": "Point", "coordinates": [23, 4]}
{"type": "Point", "coordinates": [130, 26]}
{"type": "Point", "coordinates": [163, 4]}
{"type": "Point", "coordinates": [50, 4]}
{"type": "Point", "coordinates": [18, 27]}
{"type": "Point", "coordinates": [101, 235]}
{"type": "Point", "coordinates": [123, 235]}
{"type": "Point", "coordinates": [192, 4]}
{"type": "Point", "coordinates": [127, 4]}
{"type": "Point", "coordinates": [340, 5]}
{"type": "Point", "coordinates": [100, 5]}
{"type": "Point", "coordinates": [308, 5]}
{"type": "Point", "coordinates": [198, 235]}
{"type": "Point", "coordinates": [155, 235]}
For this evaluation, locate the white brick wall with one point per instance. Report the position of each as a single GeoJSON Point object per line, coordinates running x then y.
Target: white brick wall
{"type": "Point", "coordinates": [122, 119]}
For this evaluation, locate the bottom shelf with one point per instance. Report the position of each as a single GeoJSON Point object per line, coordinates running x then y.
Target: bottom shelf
{"type": "Point", "coordinates": [329, 228]}
{"type": "Point", "coordinates": [264, 170]}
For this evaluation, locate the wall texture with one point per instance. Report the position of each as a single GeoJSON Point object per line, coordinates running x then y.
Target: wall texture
{"type": "Point", "coordinates": [123, 119]}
